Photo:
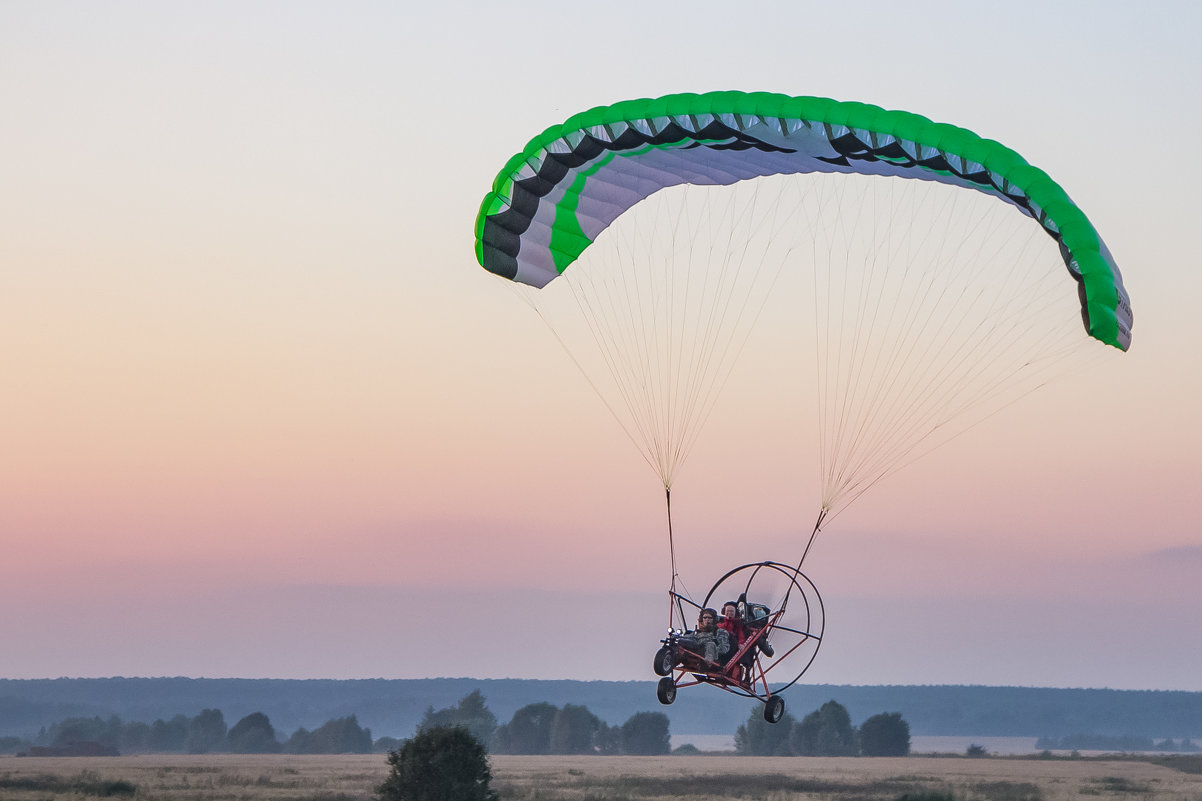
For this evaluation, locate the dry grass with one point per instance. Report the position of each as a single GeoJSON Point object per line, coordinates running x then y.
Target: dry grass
{"type": "Point", "coordinates": [221, 777]}
{"type": "Point", "coordinates": [528, 778]}
{"type": "Point", "coordinates": [838, 779]}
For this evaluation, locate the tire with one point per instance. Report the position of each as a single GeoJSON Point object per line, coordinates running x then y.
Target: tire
{"type": "Point", "coordinates": [774, 709]}
{"type": "Point", "coordinates": [666, 691]}
{"type": "Point", "coordinates": [664, 661]}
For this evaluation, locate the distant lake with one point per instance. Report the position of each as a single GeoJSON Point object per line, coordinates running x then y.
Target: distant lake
{"type": "Point", "coordinates": [1001, 746]}
{"type": "Point", "coordinates": [704, 742]}
{"type": "Point", "coordinates": [918, 745]}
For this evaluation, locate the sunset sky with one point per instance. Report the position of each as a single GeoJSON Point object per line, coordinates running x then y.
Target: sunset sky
{"type": "Point", "coordinates": [265, 416]}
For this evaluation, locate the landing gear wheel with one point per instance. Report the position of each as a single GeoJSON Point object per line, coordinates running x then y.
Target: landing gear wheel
{"type": "Point", "coordinates": [774, 709]}
{"type": "Point", "coordinates": [666, 691]}
{"type": "Point", "coordinates": [664, 662]}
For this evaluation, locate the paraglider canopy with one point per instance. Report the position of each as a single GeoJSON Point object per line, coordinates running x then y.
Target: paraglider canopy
{"type": "Point", "coordinates": [553, 199]}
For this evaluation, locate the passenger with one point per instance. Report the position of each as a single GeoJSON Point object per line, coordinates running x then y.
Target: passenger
{"type": "Point", "coordinates": [732, 621]}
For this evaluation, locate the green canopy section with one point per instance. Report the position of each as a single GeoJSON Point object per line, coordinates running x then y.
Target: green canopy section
{"type": "Point", "coordinates": [552, 200]}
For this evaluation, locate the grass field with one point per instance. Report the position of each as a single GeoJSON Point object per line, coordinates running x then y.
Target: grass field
{"type": "Point", "coordinates": [552, 778]}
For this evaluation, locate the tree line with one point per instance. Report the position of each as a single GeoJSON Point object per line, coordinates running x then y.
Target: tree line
{"type": "Point", "coordinates": [1130, 742]}
{"type": "Point", "coordinates": [537, 728]}
{"type": "Point", "coordinates": [202, 734]}
{"type": "Point", "coordinates": [543, 728]}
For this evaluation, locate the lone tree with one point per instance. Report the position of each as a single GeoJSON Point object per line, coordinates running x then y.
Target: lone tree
{"type": "Point", "coordinates": [528, 732]}
{"type": "Point", "coordinates": [438, 764]}
{"type": "Point", "coordinates": [206, 732]}
{"type": "Point", "coordinates": [573, 730]}
{"type": "Point", "coordinates": [757, 737]}
{"type": "Point", "coordinates": [168, 735]}
{"type": "Point", "coordinates": [646, 733]}
{"type": "Point", "coordinates": [471, 713]}
{"type": "Point", "coordinates": [825, 732]}
{"type": "Point", "coordinates": [885, 734]}
{"type": "Point", "coordinates": [254, 734]}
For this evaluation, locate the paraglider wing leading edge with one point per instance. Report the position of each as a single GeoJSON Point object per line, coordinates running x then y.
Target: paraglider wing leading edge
{"type": "Point", "coordinates": [552, 200]}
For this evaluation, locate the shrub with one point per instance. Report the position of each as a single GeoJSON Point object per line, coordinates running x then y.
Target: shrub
{"type": "Point", "coordinates": [438, 764]}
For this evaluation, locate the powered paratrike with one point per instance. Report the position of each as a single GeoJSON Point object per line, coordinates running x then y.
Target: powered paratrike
{"type": "Point", "coordinates": [918, 277]}
{"type": "Point", "coordinates": [778, 615]}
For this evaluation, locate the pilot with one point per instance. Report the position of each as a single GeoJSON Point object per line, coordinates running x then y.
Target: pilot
{"type": "Point", "coordinates": [711, 640]}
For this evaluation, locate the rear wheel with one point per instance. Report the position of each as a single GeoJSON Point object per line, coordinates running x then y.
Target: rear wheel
{"type": "Point", "coordinates": [664, 661]}
{"type": "Point", "coordinates": [774, 709]}
{"type": "Point", "coordinates": [666, 691]}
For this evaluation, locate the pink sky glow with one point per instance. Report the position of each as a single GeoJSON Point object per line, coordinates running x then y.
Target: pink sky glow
{"type": "Point", "coordinates": [263, 411]}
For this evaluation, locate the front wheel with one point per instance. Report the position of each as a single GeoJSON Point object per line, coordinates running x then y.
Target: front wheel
{"type": "Point", "coordinates": [664, 661]}
{"type": "Point", "coordinates": [666, 691]}
{"type": "Point", "coordinates": [774, 709]}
